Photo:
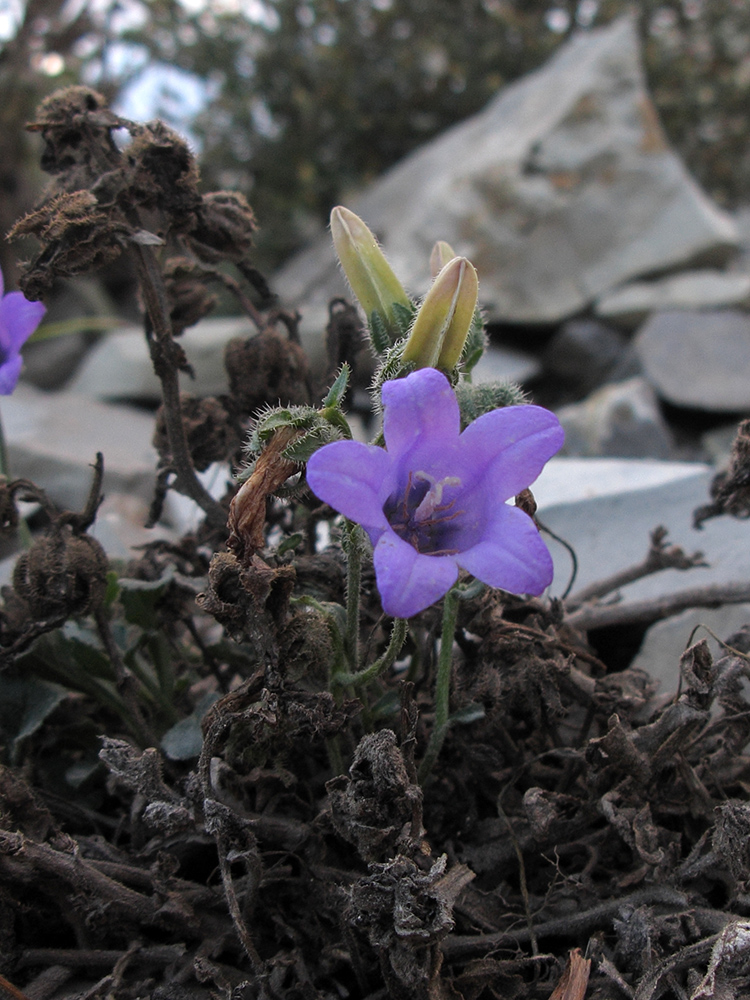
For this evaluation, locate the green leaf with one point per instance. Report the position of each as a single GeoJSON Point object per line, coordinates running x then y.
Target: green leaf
{"type": "Point", "coordinates": [184, 740]}
{"type": "Point", "coordinates": [113, 588]}
{"type": "Point", "coordinates": [140, 598]}
{"type": "Point", "coordinates": [337, 391]}
{"type": "Point", "coordinates": [25, 703]}
{"type": "Point", "coordinates": [290, 544]}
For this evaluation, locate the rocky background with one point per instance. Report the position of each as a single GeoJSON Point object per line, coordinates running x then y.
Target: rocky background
{"type": "Point", "coordinates": [617, 293]}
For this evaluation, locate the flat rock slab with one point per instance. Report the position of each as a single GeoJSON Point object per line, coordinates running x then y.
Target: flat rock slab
{"type": "Point", "coordinates": [53, 439]}
{"type": "Point", "coordinates": [610, 531]}
{"type": "Point", "coordinates": [665, 642]}
{"type": "Point", "coordinates": [630, 305]}
{"type": "Point", "coordinates": [119, 367]}
{"type": "Point", "coordinates": [561, 189]}
{"type": "Point", "coordinates": [699, 360]}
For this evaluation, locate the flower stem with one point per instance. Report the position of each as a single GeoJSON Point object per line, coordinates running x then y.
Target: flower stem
{"type": "Point", "coordinates": [353, 547]}
{"type": "Point", "coordinates": [442, 683]}
{"type": "Point", "coordinates": [398, 638]}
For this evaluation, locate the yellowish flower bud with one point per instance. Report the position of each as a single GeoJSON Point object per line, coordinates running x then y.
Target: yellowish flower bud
{"type": "Point", "coordinates": [441, 254]}
{"type": "Point", "coordinates": [367, 271]}
{"type": "Point", "coordinates": [442, 324]}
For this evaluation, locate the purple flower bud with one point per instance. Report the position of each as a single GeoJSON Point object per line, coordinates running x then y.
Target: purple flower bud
{"type": "Point", "coordinates": [433, 500]}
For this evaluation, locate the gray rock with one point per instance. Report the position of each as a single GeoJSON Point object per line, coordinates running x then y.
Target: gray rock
{"type": "Point", "coordinates": [567, 481]}
{"type": "Point", "coordinates": [704, 289]}
{"type": "Point", "coordinates": [610, 531]}
{"type": "Point", "coordinates": [119, 367]}
{"type": "Point", "coordinates": [698, 360]}
{"type": "Point", "coordinates": [500, 364]}
{"type": "Point", "coordinates": [562, 188]}
{"type": "Point", "coordinates": [665, 642]}
{"type": "Point", "coordinates": [622, 419]}
{"type": "Point", "coordinates": [717, 444]}
{"type": "Point", "coordinates": [53, 439]}
{"type": "Point", "coordinates": [585, 353]}
{"type": "Point", "coordinates": [50, 363]}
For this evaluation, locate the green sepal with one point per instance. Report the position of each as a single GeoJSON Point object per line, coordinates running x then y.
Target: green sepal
{"type": "Point", "coordinates": [272, 420]}
{"type": "Point", "coordinates": [316, 437]}
{"type": "Point", "coordinates": [475, 400]}
{"type": "Point", "coordinates": [393, 366]}
{"type": "Point", "coordinates": [379, 336]}
{"type": "Point", "coordinates": [384, 338]}
{"type": "Point", "coordinates": [404, 318]}
{"type": "Point", "coordinates": [476, 343]}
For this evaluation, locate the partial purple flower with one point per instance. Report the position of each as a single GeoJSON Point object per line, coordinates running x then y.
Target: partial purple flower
{"type": "Point", "coordinates": [18, 320]}
{"type": "Point", "coordinates": [434, 499]}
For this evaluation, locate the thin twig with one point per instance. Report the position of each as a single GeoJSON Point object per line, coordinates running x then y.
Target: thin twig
{"type": "Point", "coordinates": [654, 609]}
{"type": "Point", "coordinates": [459, 948]}
{"type": "Point", "coordinates": [186, 480]}
{"type": "Point", "coordinates": [660, 556]}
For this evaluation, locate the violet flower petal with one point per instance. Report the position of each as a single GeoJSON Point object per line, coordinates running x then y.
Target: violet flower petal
{"type": "Point", "coordinates": [355, 479]}
{"type": "Point", "coordinates": [511, 555]}
{"type": "Point", "coordinates": [510, 446]}
{"type": "Point", "coordinates": [420, 409]}
{"type": "Point", "coordinates": [18, 320]}
{"type": "Point", "coordinates": [9, 372]}
{"type": "Point", "coordinates": [408, 581]}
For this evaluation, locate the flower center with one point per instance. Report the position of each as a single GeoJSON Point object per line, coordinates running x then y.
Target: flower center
{"type": "Point", "coordinates": [421, 517]}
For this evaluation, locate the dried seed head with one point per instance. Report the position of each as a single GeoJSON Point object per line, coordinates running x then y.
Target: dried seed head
{"type": "Point", "coordinates": [8, 509]}
{"type": "Point", "coordinates": [212, 433]}
{"type": "Point", "coordinates": [62, 575]}
{"type": "Point", "coordinates": [224, 227]}
{"type": "Point", "coordinates": [266, 370]}
{"type": "Point", "coordinates": [65, 107]}
{"type": "Point", "coordinates": [76, 237]}
{"type": "Point", "coordinates": [189, 299]}
{"type": "Point", "coordinates": [164, 174]}
{"type": "Point", "coordinates": [76, 126]}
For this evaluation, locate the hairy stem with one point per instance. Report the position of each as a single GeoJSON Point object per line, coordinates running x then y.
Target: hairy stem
{"type": "Point", "coordinates": [353, 586]}
{"type": "Point", "coordinates": [398, 638]}
{"type": "Point", "coordinates": [442, 683]}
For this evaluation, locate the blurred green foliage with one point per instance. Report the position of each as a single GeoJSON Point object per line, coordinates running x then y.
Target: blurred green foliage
{"type": "Point", "coordinates": [308, 99]}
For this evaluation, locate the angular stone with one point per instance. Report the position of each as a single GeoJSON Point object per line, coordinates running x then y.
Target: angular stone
{"type": "Point", "coordinates": [665, 642]}
{"type": "Point", "coordinates": [561, 189]}
{"type": "Point", "coordinates": [622, 419]}
{"type": "Point", "coordinates": [500, 364]}
{"type": "Point", "coordinates": [699, 360]}
{"type": "Point", "coordinates": [611, 531]}
{"type": "Point", "coordinates": [584, 353]}
{"type": "Point", "coordinates": [53, 438]}
{"type": "Point", "coordinates": [119, 367]}
{"type": "Point", "coordinates": [567, 480]}
{"type": "Point", "coordinates": [631, 304]}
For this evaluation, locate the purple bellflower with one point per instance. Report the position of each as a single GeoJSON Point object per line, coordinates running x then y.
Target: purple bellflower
{"type": "Point", "coordinates": [433, 499]}
{"type": "Point", "coordinates": [18, 320]}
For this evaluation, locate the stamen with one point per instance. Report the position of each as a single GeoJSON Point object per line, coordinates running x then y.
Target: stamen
{"type": "Point", "coordinates": [434, 495]}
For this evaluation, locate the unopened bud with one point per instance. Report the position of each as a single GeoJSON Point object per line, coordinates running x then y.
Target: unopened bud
{"type": "Point", "coordinates": [367, 271]}
{"type": "Point", "coordinates": [442, 254]}
{"type": "Point", "coordinates": [442, 324]}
